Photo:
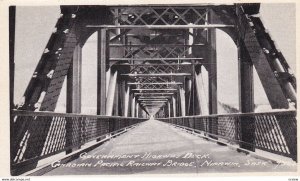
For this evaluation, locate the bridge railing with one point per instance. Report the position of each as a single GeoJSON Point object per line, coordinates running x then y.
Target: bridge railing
{"type": "Point", "coordinates": [37, 135]}
{"type": "Point", "coordinates": [274, 132]}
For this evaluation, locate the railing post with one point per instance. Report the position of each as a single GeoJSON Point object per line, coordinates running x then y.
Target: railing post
{"type": "Point", "coordinates": [247, 134]}
{"type": "Point", "coordinates": [112, 125]}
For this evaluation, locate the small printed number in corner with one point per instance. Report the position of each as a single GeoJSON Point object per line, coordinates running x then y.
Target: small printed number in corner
{"type": "Point", "coordinates": [293, 179]}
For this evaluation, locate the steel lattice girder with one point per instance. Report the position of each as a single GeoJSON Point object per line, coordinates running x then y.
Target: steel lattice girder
{"type": "Point", "coordinates": [155, 15]}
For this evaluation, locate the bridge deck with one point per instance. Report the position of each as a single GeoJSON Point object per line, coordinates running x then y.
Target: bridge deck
{"type": "Point", "coordinates": [171, 151]}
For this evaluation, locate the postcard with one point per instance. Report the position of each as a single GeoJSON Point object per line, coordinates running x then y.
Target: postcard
{"type": "Point", "coordinates": [152, 89]}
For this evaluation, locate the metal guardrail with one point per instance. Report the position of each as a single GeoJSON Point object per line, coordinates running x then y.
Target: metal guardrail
{"type": "Point", "coordinates": [38, 135]}
{"type": "Point", "coordinates": [275, 132]}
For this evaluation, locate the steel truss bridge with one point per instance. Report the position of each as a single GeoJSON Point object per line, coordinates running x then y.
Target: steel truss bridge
{"type": "Point", "coordinates": [149, 64]}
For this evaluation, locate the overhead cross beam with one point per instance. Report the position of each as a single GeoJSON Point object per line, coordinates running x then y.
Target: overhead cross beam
{"type": "Point", "coordinates": [152, 101]}
{"type": "Point", "coordinates": [155, 45]}
{"type": "Point", "coordinates": [156, 52]}
{"type": "Point", "coordinates": [154, 15]}
{"type": "Point", "coordinates": [155, 59]}
{"type": "Point", "coordinates": [161, 26]}
{"type": "Point", "coordinates": [157, 75]}
{"type": "Point", "coordinates": [155, 83]}
{"type": "Point", "coordinates": [154, 89]}
{"type": "Point", "coordinates": [143, 99]}
{"type": "Point", "coordinates": [154, 93]}
{"type": "Point", "coordinates": [150, 104]}
{"type": "Point", "coordinates": [156, 64]}
{"type": "Point", "coordinates": [164, 96]}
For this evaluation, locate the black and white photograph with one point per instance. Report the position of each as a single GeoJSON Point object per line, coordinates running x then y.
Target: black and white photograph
{"type": "Point", "coordinates": [152, 89]}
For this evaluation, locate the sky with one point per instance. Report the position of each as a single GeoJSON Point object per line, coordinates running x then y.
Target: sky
{"type": "Point", "coordinates": [34, 26]}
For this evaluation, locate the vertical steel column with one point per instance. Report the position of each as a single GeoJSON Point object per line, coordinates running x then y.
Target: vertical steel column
{"type": "Point", "coordinates": [118, 30]}
{"type": "Point", "coordinates": [188, 95]}
{"type": "Point", "coordinates": [246, 98]}
{"type": "Point", "coordinates": [191, 92]}
{"type": "Point", "coordinates": [74, 76]}
{"type": "Point", "coordinates": [111, 93]}
{"type": "Point", "coordinates": [108, 74]}
{"type": "Point", "coordinates": [174, 106]}
{"type": "Point", "coordinates": [191, 39]}
{"type": "Point", "coordinates": [137, 109]}
{"type": "Point", "coordinates": [121, 96]}
{"type": "Point", "coordinates": [130, 104]}
{"type": "Point", "coordinates": [178, 100]}
{"type": "Point", "coordinates": [126, 101]}
{"type": "Point", "coordinates": [73, 96]}
{"type": "Point", "coordinates": [103, 53]}
{"type": "Point", "coordinates": [169, 109]}
{"type": "Point", "coordinates": [133, 107]}
{"type": "Point", "coordinates": [212, 74]}
{"type": "Point", "coordinates": [116, 99]}
{"type": "Point", "coordinates": [246, 88]}
{"type": "Point", "coordinates": [182, 101]}
{"type": "Point", "coordinates": [201, 92]}
{"type": "Point", "coordinates": [12, 23]}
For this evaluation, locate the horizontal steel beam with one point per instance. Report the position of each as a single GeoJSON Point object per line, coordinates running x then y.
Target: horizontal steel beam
{"type": "Point", "coordinates": [151, 45]}
{"type": "Point", "coordinates": [157, 75]}
{"type": "Point", "coordinates": [163, 98]}
{"type": "Point", "coordinates": [154, 89]}
{"type": "Point", "coordinates": [186, 5]}
{"type": "Point", "coordinates": [161, 26]}
{"type": "Point", "coordinates": [147, 96]}
{"type": "Point", "coordinates": [152, 101]}
{"type": "Point", "coordinates": [150, 104]}
{"type": "Point", "coordinates": [155, 83]}
{"type": "Point", "coordinates": [153, 59]}
{"type": "Point", "coordinates": [161, 64]}
{"type": "Point", "coordinates": [153, 93]}
{"type": "Point", "coordinates": [155, 34]}
{"type": "Point", "coordinates": [144, 99]}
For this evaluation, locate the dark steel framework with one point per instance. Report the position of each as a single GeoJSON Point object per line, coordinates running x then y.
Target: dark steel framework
{"type": "Point", "coordinates": [150, 57]}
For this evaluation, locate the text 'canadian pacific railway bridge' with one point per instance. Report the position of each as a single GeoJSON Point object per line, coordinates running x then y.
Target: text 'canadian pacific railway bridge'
{"type": "Point", "coordinates": [151, 61]}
